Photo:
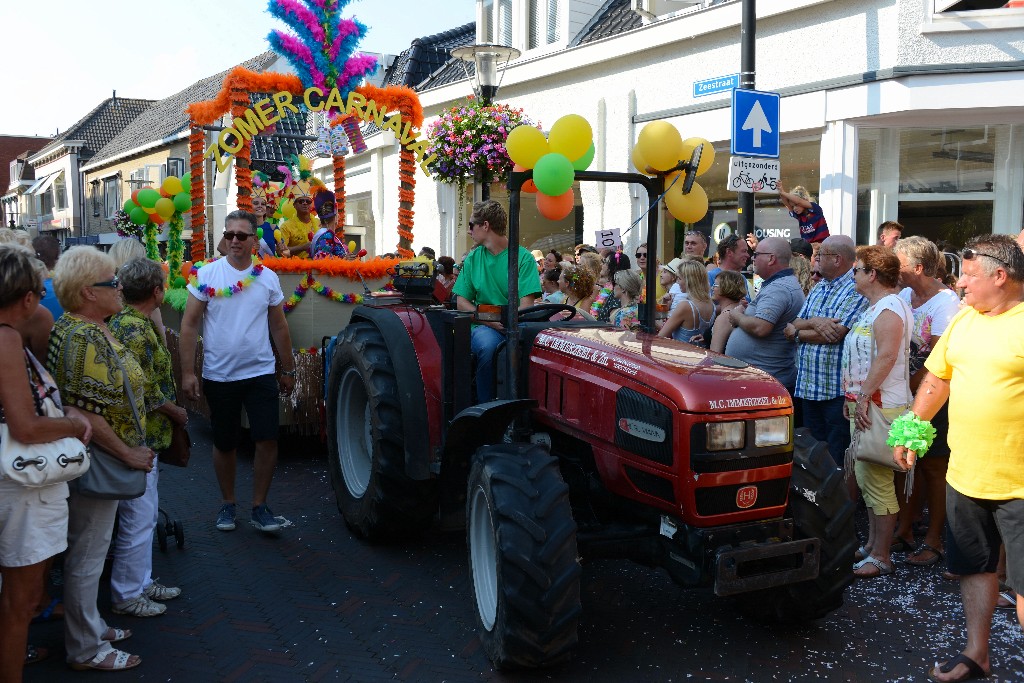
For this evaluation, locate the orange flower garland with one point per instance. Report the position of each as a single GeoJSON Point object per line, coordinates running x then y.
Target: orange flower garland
{"type": "Point", "coordinates": [196, 138]}
{"type": "Point", "coordinates": [339, 267]}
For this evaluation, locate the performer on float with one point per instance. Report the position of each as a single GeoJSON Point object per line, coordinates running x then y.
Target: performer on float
{"type": "Point", "coordinates": [298, 230]}
{"type": "Point", "coordinates": [328, 240]}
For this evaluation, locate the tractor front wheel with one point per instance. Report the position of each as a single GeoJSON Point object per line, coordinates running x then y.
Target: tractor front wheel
{"type": "Point", "coordinates": [522, 555]}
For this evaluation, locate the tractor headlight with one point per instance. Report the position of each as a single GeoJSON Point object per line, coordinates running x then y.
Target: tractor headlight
{"type": "Point", "coordinates": [771, 431]}
{"type": "Point", "coordinates": [725, 436]}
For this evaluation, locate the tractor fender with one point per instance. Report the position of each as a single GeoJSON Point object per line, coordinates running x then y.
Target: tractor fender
{"type": "Point", "coordinates": [416, 422]}
{"type": "Point", "coordinates": [481, 425]}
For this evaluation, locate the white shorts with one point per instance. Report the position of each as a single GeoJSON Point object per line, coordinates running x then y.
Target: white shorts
{"type": "Point", "coordinates": [33, 523]}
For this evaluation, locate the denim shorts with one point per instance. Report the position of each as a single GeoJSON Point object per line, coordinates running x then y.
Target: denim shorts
{"type": "Point", "coordinates": [259, 397]}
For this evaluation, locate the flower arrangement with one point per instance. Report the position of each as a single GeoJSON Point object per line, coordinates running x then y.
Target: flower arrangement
{"type": "Point", "coordinates": [471, 136]}
{"type": "Point", "coordinates": [125, 227]}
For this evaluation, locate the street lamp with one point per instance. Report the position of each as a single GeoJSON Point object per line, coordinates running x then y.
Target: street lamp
{"type": "Point", "coordinates": [487, 60]}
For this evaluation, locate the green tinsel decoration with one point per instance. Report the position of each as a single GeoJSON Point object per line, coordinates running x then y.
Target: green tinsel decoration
{"type": "Point", "coordinates": [911, 432]}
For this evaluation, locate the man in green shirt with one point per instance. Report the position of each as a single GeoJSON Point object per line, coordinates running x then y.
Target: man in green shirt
{"type": "Point", "coordinates": [483, 279]}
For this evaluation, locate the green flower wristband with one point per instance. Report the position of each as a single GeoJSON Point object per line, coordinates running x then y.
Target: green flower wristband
{"type": "Point", "coordinates": [911, 432]}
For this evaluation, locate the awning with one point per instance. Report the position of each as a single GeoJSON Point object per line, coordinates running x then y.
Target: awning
{"type": "Point", "coordinates": [43, 185]}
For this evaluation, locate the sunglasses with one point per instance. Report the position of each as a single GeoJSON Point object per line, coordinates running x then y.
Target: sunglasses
{"type": "Point", "coordinates": [240, 236]}
{"type": "Point", "coordinates": [971, 254]}
{"type": "Point", "coordinates": [861, 269]}
{"type": "Point", "coordinates": [302, 201]}
{"type": "Point", "coordinates": [642, 254]}
{"type": "Point", "coordinates": [113, 284]}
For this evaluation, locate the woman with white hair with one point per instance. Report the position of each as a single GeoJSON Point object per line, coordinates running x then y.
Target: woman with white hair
{"type": "Point", "coordinates": [96, 373]}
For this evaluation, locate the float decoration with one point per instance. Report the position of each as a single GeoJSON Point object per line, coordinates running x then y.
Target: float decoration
{"type": "Point", "coordinates": [554, 160]}
{"type": "Point", "coordinates": [661, 151]}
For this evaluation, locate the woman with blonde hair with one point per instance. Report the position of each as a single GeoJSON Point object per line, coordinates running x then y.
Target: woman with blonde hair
{"type": "Point", "coordinates": [691, 322]}
{"type": "Point", "coordinates": [628, 286]}
{"type": "Point", "coordinates": [126, 249]}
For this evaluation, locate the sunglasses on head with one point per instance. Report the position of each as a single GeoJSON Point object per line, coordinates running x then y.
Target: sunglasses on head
{"type": "Point", "coordinates": [971, 254]}
{"type": "Point", "coordinates": [240, 236]}
{"type": "Point", "coordinates": [114, 283]}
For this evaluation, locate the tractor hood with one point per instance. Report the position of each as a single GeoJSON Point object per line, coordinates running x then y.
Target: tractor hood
{"type": "Point", "coordinates": [694, 379]}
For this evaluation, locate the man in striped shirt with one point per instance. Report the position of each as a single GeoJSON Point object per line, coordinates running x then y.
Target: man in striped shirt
{"type": "Point", "coordinates": [819, 329]}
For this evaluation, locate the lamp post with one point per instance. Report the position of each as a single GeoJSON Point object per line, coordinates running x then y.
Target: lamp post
{"type": "Point", "coordinates": [487, 60]}
{"type": "Point", "coordinates": [748, 29]}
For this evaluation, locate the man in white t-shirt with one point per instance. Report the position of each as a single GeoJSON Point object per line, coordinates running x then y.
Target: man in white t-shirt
{"type": "Point", "coordinates": [238, 303]}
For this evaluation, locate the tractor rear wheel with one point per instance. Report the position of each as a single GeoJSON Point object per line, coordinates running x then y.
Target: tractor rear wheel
{"type": "Point", "coordinates": [366, 448]}
{"type": "Point", "coordinates": [820, 507]}
{"type": "Point", "coordinates": [522, 555]}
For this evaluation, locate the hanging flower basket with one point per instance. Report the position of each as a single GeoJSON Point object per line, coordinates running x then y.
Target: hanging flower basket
{"type": "Point", "coordinates": [470, 137]}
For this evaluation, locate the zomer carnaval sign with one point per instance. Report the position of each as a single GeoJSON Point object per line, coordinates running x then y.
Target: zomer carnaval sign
{"type": "Point", "coordinates": [269, 111]}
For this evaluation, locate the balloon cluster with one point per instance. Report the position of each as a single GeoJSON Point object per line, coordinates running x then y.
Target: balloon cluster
{"type": "Point", "coordinates": [148, 205]}
{"type": "Point", "coordinates": [661, 150]}
{"type": "Point", "coordinates": [569, 147]}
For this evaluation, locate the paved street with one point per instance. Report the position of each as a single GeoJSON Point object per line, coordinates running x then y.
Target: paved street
{"type": "Point", "coordinates": [315, 604]}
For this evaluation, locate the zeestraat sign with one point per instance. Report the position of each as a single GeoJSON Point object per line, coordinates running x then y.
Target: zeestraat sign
{"type": "Point", "coordinates": [713, 86]}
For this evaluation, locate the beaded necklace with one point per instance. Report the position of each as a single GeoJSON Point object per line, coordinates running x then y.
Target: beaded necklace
{"type": "Point", "coordinates": [257, 269]}
{"type": "Point", "coordinates": [599, 303]}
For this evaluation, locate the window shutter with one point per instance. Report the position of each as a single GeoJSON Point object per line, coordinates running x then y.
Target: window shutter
{"type": "Point", "coordinates": [505, 21]}
{"type": "Point", "coordinates": [487, 27]}
{"type": "Point", "coordinates": [533, 13]}
{"type": "Point", "coordinates": [552, 36]}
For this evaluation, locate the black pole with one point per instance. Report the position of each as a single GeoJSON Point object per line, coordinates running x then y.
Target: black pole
{"type": "Point", "coordinates": [745, 219]}
{"type": "Point", "coordinates": [486, 95]}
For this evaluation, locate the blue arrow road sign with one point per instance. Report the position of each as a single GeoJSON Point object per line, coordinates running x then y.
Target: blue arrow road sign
{"type": "Point", "coordinates": [755, 123]}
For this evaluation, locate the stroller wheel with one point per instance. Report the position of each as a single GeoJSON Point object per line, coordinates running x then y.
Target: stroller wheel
{"type": "Point", "coordinates": [179, 534]}
{"type": "Point", "coordinates": [161, 536]}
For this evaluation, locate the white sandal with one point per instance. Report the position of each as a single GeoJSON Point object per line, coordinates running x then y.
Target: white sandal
{"type": "Point", "coordinates": [100, 662]}
{"type": "Point", "coordinates": [116, 635]}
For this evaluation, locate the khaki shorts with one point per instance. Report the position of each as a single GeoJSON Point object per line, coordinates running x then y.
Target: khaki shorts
{"type": "Point", "coordinates": [33, 523]}
{"type": "Point", "coordinates": [877, 483]}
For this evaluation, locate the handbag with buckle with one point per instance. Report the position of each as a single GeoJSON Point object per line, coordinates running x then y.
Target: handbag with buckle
{"type": "Point", "coordinates": [41, 464]}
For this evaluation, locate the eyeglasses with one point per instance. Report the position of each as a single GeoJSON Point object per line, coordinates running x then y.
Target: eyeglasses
{"type": "Point", "coordinates": [861, 269]}
{"type": "Point", "coordinates": [113, 284]}
{"type": "Point", "coordinates": [240, 236]}
{"type": "Point", "coordinates": [971, 254]}
{"type": "Point", "coordinates": [761, 253]}
{"type": "Point", "coordinates": [473, 223]}
{"type": "Point", "coordinates": [302, 201]}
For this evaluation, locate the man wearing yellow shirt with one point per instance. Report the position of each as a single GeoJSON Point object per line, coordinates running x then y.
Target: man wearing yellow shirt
{"type": "Point", "coordinates": [978, 365]}
{"type": "Point", "coordinates": [296, 231]}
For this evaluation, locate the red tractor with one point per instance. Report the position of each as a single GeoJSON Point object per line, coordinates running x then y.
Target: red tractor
{"type": "Point", "coordinates": [605, 444]}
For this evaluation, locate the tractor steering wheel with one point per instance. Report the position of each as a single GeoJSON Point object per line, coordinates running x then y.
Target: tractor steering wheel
{"type": "Point", "coordinates": [543, 312]}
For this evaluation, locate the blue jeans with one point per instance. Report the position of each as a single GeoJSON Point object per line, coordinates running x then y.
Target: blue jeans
{"type": "Point", "coordinates": [826, 422]}
{"type": "Point", "coordinates": [484, 345]}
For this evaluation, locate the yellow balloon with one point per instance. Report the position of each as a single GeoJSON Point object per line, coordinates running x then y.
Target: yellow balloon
{"type": "Point", "coordinates": [277, 235]}
{"type": "Point", "coordinates": [687, 208]}
{"type": "Point", "coordinates": [639, 163]}
{"type": "Point", "coordinates": [525, 145]}
{"type": "Point", "coordinates": [707, 155]}
{"type": "Point", "coordinates": [352, 246]}
{"type": "Point", "coordinates": [172, 185]}
{"type": "Point", "coordinates": [148, 210]}
{"type": "Point", "coordinates": [571, 135]}
{"type": "Point", "coordinates": [660, 144]}
{"type": "Point", "coordinates": [164, 207]}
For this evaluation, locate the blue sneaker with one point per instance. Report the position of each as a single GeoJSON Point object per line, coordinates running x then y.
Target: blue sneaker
{"type": "Point", "coordinates": [226, 517]}
{"type": "Point", "coordinates": [264, 520]}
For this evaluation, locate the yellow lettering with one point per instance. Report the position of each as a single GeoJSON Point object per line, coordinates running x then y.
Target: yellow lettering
{"type": "Point", "coordinates": [426, 162]}
{"type": "Point", "coordinates": [334, 100]}
{"type": "Point", "coordinates": [223, 163]}
{"type": "Point", "coordinates": [355, 104]}
{"type": "Point", "coordinates": [249, 126]}
{"type": "Point", "coordinates": [306, 95]}
{"type": "Point", "coordinates": [221, 141]}
{"type": "Point", "coordinates": [394, 124]}
{"type": "Point", "coordinates": [283, 99]}
{"type": "Point", "coordinates": [407, 134]}
{"type": "Point", "coordinates": [377, 116]}
{"type": "Point", "coordinates": [267, 114]}
{"type": "Point", "coordinates": [419, 148]}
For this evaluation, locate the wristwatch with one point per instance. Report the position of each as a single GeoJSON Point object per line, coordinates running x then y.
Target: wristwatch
{"type": "Point", "coordinates": [796, 336]}
{"type": "Point", "coordinates": [288, 373]}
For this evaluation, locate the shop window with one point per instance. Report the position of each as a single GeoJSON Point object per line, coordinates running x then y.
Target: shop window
{"type": "Point", "coordinates": [111, 196]}
{"type": "Point", "coordinates": [60, 193]}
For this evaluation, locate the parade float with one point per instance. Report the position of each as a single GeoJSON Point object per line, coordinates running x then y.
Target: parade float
{"type": "Point", "coordinates": [320, 292]}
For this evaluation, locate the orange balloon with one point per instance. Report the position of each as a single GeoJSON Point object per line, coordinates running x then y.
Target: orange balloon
{"type": "Point", "coordinates": [555, 208]}
{"type": "Point", "coordinates": [186, 268]}
{"type": "Point", "coordinates": [157, 218]}
{"type": "Point", "coordinates": [528, 187]}
{"type": "Point", "coordinates": [166, 266]}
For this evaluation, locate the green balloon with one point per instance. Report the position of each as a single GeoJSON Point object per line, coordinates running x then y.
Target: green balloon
{"type": "Point", "coordinates": [583, 163]}
{"type": "Point", "coordinates": [138, 216]}
{"type": "Point", "coordinates": [199, 264]}
{"type": "Point", "coordinates": [182, 202]}
{"type": "Point", "coordinates": [148, 198]}
{"type": "Point", "coordinates": [259, 233]}
{"type": "Point", "coordinates": [129, 205]}
{"type": "Point", "coordinates": [553, 174]}
{"type": "Point", "coordinates": [179, 282]}
{"type": "Point", "coordinates": [186, 181]}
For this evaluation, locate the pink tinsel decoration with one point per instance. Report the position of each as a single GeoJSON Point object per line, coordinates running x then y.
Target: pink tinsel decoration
{"type": "Point", "coordinates": [357, 65]}
{"type": "Point", "coordinates": [318, 78]}
{"type": "Point", "coordinates": [346, 27]}
{"type": "Point", "coordinates": [296, 47]}
{"type": "Point", "coordinates": [288, 181]}
{"type": "Point", "coordinates": [305, 16]}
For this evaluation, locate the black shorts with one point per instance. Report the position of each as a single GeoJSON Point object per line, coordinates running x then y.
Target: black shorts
{"type": "Point", "coordinates": [976, 527]}
{"type": "Point", "coordinates": [259, 397]}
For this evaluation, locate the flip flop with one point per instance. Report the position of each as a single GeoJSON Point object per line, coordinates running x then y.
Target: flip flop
{"type": "Point", "coordinates": [861, 553]}
{"type": "Point", "coordinates": [974, 670]}
{"type": "Point", "coordinates": [1007, 600]}
{"type": "Point", "coordinates": [34, 655]}
{"type": "Point", "coordinates": [901, 545]}
{"type": "Point", "coordinates": [883, 568]}
{"type": "Point", "coordinates": [50, 612]}
{"type": "Point", "coordinates": [935, 558]}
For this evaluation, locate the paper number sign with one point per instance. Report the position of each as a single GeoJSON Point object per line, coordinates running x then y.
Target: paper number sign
{"type": "Point", "coordinates": [608, 239]}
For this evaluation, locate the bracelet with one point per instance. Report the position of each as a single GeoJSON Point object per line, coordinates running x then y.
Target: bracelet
{"type": "Point", "coordinates": [796, 336]}
{"type": "Point", "coordinates": [912, 433]}
{"type": "Point", "coordinates": [288, 373]}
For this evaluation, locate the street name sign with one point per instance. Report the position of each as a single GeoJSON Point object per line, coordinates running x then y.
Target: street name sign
{"type": "Point", "coordinates": [754, 174]}
{"type": "Point", "coordinates": [755, 123]}
{"type": "Point", "coordinates": [713, 86]}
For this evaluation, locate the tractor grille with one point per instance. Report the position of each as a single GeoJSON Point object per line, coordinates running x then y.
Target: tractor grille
{"type": "Point", "coordinates": [734, 464]}
{"type": "Point", "coordinates": [651, 484]}
{"type": "Point", "coordinates": [721, 500]}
